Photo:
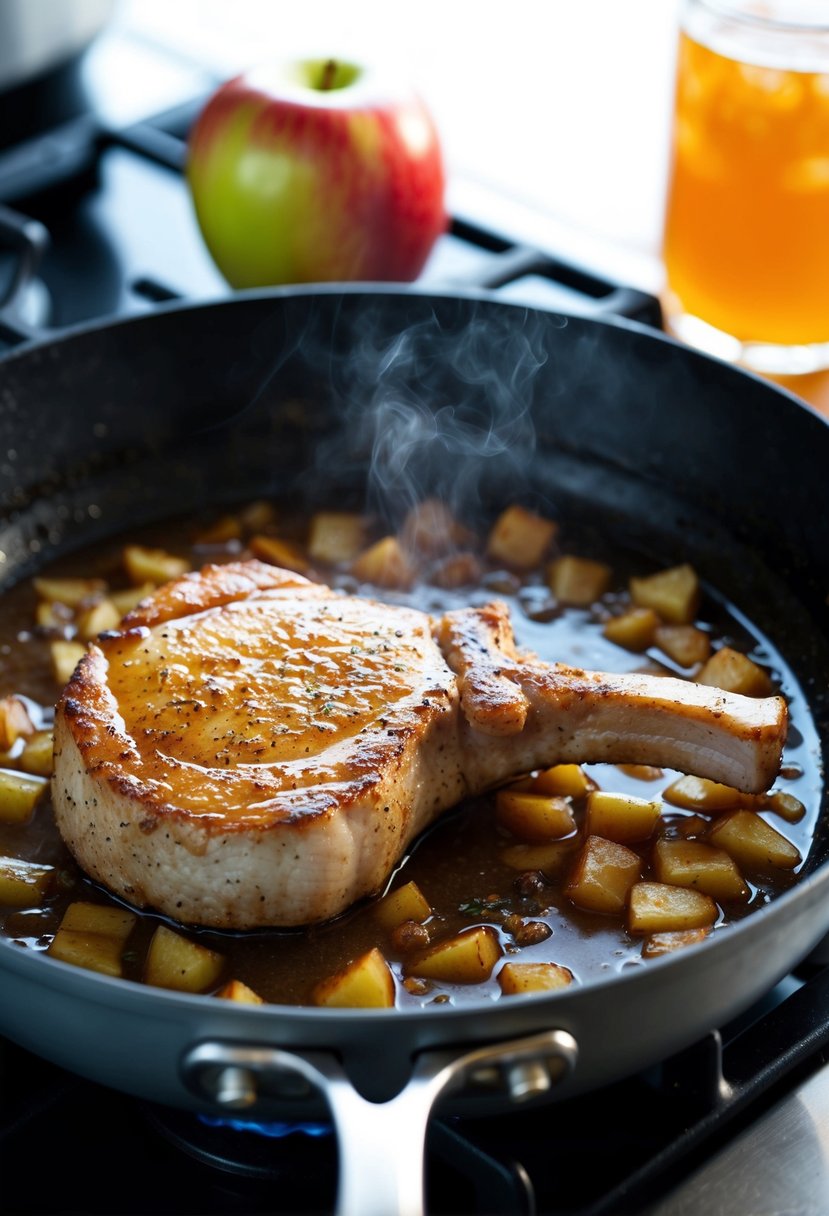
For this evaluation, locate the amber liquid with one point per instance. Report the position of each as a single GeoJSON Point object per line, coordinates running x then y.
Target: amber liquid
{"type": "Point", "coordinates": [747, 225]}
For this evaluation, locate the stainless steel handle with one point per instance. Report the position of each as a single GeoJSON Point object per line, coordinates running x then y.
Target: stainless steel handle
{"type": "Point", "coordinates": [381, 1144]}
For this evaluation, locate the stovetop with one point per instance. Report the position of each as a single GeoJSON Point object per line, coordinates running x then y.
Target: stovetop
{"type": "Point", "coordinates": [95, 222]}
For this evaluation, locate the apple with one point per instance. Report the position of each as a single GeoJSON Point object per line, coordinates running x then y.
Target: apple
{"type": "Point", "coordinates": [316, 170]}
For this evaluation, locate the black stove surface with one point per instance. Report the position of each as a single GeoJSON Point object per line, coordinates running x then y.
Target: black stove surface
{"type": "Point", "coordinates": [95, 222]}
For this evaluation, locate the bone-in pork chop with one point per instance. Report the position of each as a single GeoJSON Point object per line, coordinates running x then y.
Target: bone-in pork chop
{"type": "Point", "coordinates": [252, 749]}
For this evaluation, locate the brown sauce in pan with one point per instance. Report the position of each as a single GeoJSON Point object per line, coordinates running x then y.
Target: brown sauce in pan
{"type": "Point", "coordinates": [459, 865]}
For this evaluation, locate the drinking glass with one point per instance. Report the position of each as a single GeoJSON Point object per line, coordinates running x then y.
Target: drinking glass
{"type": "Point", "coordinates": [746, 240]}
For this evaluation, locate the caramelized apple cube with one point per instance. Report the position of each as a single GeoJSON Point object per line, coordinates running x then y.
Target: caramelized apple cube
{"type": "Point", "coordinates": [176, 962]}
{"type": "Point", "coordinates": [685, 644]}
{"type": "Point", "coordinates": [700, 794]}
{"type": "Point", "coordinates": [603, 876]}
{"type": "Point", "coordinates": [23, 884]}
{"type": "Point", "coordinates": [457, 570]}
{"type": "Point", "coordinates": [258, 515]}
{"type": "Point", "coordinates": [223, 530]}
{"type": "Point", "coordinates": [15, 722]}
{"type": "Point", "coordinates": [693, 863]}
{"type": "Point", "coordinates": [336, 536]}
{"type": "Point", "coordinates": [657, 907]}
{"type": "Point", "coordinates": [106, 920]}
{"type": "Point", "coordinates": [93, 936]}
{"type": "Point", "coordinates": [235, 990]}
{"type": "Point", "coordinates": [514, 979]}
{"type": "Point", "coordinates": [634, 629]}
{"type": "Point", "coordinates": [755, 845]}
{"type": "Point", "coordinates": [534, 817]}
{"type": "Point", "coordinates": [673, 594]}
{"type": "Point", "coordinates": [578, 581]}
{"type": "Point", "coordinates": [278, 552]}
{"type": "Point", "coordinates": [549, 858]}
{"type": "Point", "coordinates": [406, 903]}
{"type": "Point", "coordinates": [92, 951]}
{"type": "Point", "coordinates": [129, 598]}
{"type": "Point", "coordinates": [384, 564]}
{"type": "Point", "coordinates": [69, 591]}
{"type": "Point", "coordinates": [65, 658]}
{"type": "Point", "coordinates": [366, 983]}
{"type": "Point", "coordinates": [37, 756]}
{"type": "Point", "coordinates": [621, 817]}
{"type": "Point", "coordinates": [431, 530]}
{"type": "Point", "coordinates": [157, 566]}
{"type": "Point", "coordinates": [519, 538]}
{"type": "Point", "coordinates": [785, 805]}
{"type": "Point", "coordinates": [735, 672]}
{"type": "Point", "coordinates": [466, 958]}
{"type": "Point", "coordinates": [562, 780]}
{"type": "Point", "coordinates": [665, 943]}
{"type": "Point", "coordinates": [19, 794]}
{"type": "Point", "coordinates": [98, 618]}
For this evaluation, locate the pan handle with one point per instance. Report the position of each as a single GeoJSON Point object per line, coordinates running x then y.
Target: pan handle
{"type": "Point", "coordinates": [29, 240]}
{"type": "Point", "coordinates": [381, 1144]}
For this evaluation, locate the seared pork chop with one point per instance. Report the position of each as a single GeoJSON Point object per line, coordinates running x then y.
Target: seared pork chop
{"type": "Point", "coordinates": [253, 749]}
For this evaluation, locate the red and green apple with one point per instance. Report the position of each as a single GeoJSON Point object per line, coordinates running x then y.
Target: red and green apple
{"type": "Point", "coordinates": [315, 171]}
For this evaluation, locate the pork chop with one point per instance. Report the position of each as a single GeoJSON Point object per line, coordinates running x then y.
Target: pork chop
{"type": "Point", "coordinates": [252, 749]}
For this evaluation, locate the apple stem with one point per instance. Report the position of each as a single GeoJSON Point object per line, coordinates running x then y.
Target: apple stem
{"type": "Point", "coordinates": [329, 75]}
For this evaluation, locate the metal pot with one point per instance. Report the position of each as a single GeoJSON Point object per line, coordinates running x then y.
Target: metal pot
{"type": "Point", "coordinates": [116, 424]}
{"type": "Point", "coordinates": [37, 36]}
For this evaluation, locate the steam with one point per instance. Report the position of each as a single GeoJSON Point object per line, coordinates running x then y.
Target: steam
{"type": "Point", "coordinates": [447, 410]}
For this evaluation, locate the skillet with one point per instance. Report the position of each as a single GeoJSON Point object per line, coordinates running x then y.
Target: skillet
{"type": "Point", "coordinates": [374, 395]}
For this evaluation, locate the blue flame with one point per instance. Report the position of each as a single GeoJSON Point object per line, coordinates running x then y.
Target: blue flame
{"type": "Point", "coordinates": [272, 1129]}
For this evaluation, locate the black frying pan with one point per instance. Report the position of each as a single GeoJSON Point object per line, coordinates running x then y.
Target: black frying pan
{"type": "Point", "coordinates": [479, 402]}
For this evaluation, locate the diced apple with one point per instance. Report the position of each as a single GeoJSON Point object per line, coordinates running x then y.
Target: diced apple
{"type": "Point", "coordinates": [534, 817]}
{"type": "Point", "coordinates": [65, 658]}
{"type": "Point", "coordinates": [700, 794]}
{"type": "Point", "coordinates": [657, 907]}
{"type": "Point", "coordinates": [69, 591]}
{"type": "Point", "coordinates": [693, 863]}
{"type": "Point", "coordinates": [520, 538]}
{"type": "Point", "coordinates": [621, 817]}
{"type": "Point", "coordinates": [735, 672]}
{"type": "Point", "coordinates": [176, 962]}
{"type": "Point", "coordinates": [54, 618]}
{"type": "Point", "coordinates": [685, 644]}
{"type": "Point", "coordinates": [37, 756]}
{"type": "Point", "coordinates": [578, 581]}
{"type": "Point", "coordinates": [258, 515]}
{"type": "Point", "coordinates": [336, 536]}
{"type": "Point", "coordinates": [367, 983]}
{"type": "Point", "coordinates": [406, 903]}
{"type": "Point", "coordinates": [603, 876]}
{"type": "Point", "coordinates": [785, 805]}
{"type": "Point", "coordinates": [641, 772]}
{"type": "Point", "coordinates": [286, 554]}
{"type": "Point", "coordinates": [550, 858]}
{"type": "Point", "coordinates": [15, 722]}
{"type": "Point", "coordinates": [92, 951]}
{"type": "Point", "coordinates": [755, 845]}
{"type": "Point", "coordinates": [224, 529]}
{"type": "Point", "coordinates": [563, 780]}
{"type": "Point", "coordinates": [130, 597]}
{"type": "Point", "coordinates": [19, 794]}
{"type": "Point", "coordinates": [384, 564]}
{"type": "Point", "coordinates": [517, 978]}
{"type": "Point", "coordinates": [106, 920]}
{"type": "Point", "coordinates": [157, 566]}
{"type": "Point", "coordinates": [634, 629]}
{"type": "Point", "coordinates": [431, 529]}
{"type": "Point", "coordinates": [466, 958]}
{"type": "Point", "coordinates": [23, 884]}
{"type": "Point", "coordinates": [665, 943]}
{"type": "Point", "coordinates": [93, 936]}
{"type": "Point", "coordinates": [235, 990]}
{"type": "Point", "coordinates": [673, 594]}
{"type": "Point", "coordinates": [98, 618]}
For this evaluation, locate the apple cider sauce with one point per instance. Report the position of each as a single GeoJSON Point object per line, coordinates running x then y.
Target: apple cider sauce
{"type": "Point", "coordinates": [555, 879]}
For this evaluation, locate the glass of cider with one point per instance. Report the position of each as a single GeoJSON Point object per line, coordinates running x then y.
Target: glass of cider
{"type": "Point", "coordinates": [746, 238]}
